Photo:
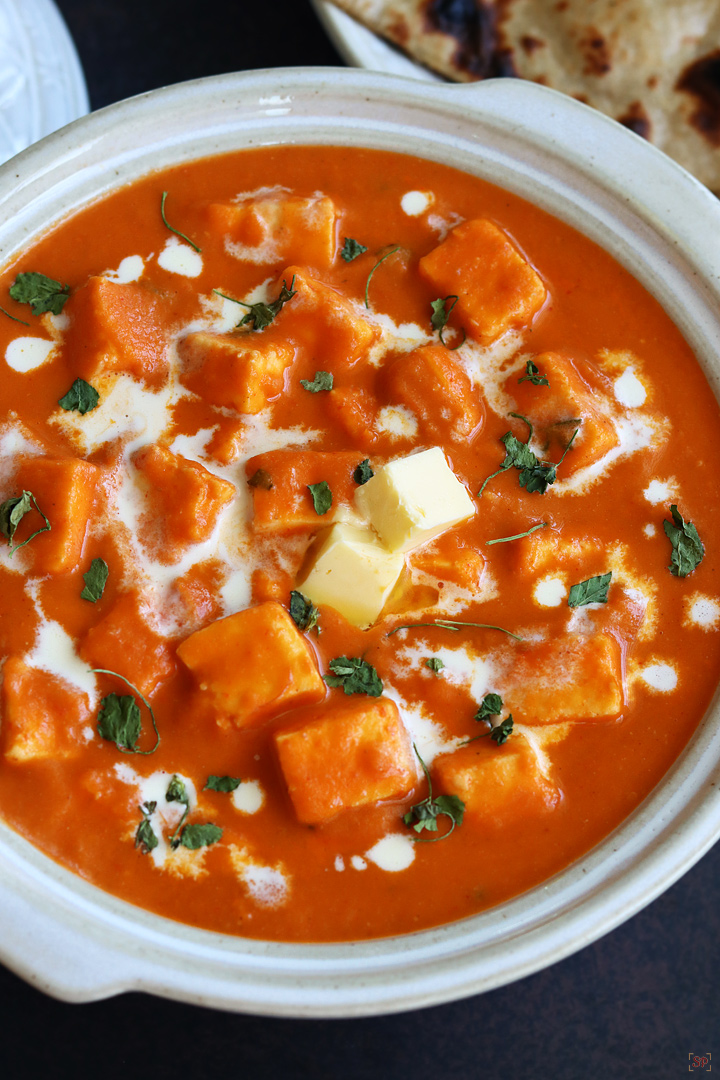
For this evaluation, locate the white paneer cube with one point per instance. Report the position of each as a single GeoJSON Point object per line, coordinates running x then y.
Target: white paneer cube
{"type": "Point", "coordinates": [352, 572]}
{"type": "Point", "coordinates": [413, 499]}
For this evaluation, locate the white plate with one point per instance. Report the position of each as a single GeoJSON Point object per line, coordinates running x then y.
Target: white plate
{"type": "Point", "coordinates": [361, 48]}
{"type": "Point", "coordinates": [42, 86]}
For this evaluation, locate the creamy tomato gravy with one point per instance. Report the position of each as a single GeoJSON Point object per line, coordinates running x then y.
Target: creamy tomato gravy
{"type": "Point", "coordinates": [154, 481]}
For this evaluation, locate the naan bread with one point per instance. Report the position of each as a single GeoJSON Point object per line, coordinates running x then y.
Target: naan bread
{"type": "Point", "coordinates": [654, 65]}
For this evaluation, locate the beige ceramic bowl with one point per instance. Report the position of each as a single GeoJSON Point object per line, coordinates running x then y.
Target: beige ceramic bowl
{"type": "Point", "coordinates": [78, 943]}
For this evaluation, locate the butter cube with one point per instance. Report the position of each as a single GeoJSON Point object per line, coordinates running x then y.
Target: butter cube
{"type": "Point", "coordinates": [353, 573]}
{"type": "Point", "coordinates": [413, 499]}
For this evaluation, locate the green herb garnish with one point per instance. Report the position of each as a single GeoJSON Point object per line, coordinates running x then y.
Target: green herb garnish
{"type": "Point", "coordinates": [490, 707]}
{"type": "Point", "coordinates": [440, 315]}
{"type": "Point", "coordinates": [40, 292]}
{"type": "Point", "coordinates": [95, 580]}
{"type": "Point", "coordinates": [145, 837]}
{"type": "Point", "coordinates": [363, 472]}
{"type": "Point", "coordinates": [321, 496]}
{"type": "Point", "coordinates": [535, 475]}
{"type": "Point", "coordinates": [424, 815]}
{"type": "Point", "coordinates": [533, 375]}
{"type": "Point", "coordinates": [351, 249]}
{"type": "Point", "coordinates": [323, 381]}
{"type": "Point", "coordinates": [452, 624]}
{"type": "Point", "coordinates": [119, 718]}
{"type": "Point", "coordinates": [303, 612]}
{"type": "Point", "coordinates": [500, 733]}
{"type": "Point", "coordinates": [435, 664]}
{"type": "Point", "coordinates": [355, 676]}
{"type": "Point", "coordinates": [688, 550]}
{"type": "Point", "coordinates": [14, 317]}
{"type": "Point", "coordinates": [369, 277]}
{"type": "Point", "coordinates": [222, 783]}
{"type": "Point", "coordinates": [592, 591]}
{"type": "Point", "coordinates": [177, 792]}
{"type": "Point", "coordinates": [12, 511]}
{"type": "Point", "coordinates": [199, 836]}
{"type": "Point", "coordinates": [81, 397]}
{"type": "Point", "coordinates": [260, 314]}
{"type": "Point", "coordinates": [517, 536]}
{"type": "Point", "coordinates": [177, 232]}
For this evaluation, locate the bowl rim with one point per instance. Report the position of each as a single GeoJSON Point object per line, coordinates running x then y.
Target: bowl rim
{"type": "Point", "coordinates": [79, 943]}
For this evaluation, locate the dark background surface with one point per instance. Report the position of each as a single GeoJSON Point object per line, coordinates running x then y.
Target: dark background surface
{"type": "Point", "coordinates": [634, 1004]}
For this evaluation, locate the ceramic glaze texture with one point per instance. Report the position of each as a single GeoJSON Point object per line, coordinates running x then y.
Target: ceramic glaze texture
{"type": "Point", "coordinates": [79, 943]}
{"type": "Point", "coordinates": [41, 81]}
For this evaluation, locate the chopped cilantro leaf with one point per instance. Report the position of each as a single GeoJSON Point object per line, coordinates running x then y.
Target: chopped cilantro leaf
{"type": "Point", "coordinates": [177, 792]}
{"type": "Point", "coordinates": [323, 381]}
{"type": "Point", "coordinates": [145, 837]}
{"type": "Point", "coordinates": [95, 580]}
{"type": "Point", "coordinates": [533, 375]}
{"type": "Point", "coordinates": [502, 732]}
{"type": "Point", "coordinates": [491, 705]}
{"type": "Point", "coordinates": [261, 315]}
{"type": "Point", "coordinates": [40, 292]}
{"type": "Point", "coordinates": [363, 472]}
{"type": "Point", "coordinates": [440, 315]}
{"type": "Point", "coordinates": [687, 547]}
{"type": "Point", "coordinates": [177, 232]}
{"type": "Point", "coordinates": [119, 721]}
{"type": "Point", "coordinates": [592, 591]}
{"type": "Point", "coordinates": [81, 397]}
{"type": "Point", "coordinates": [369, 277]}
{"type": "Point", "coordinates": [321, 496]}
{"type": "Point", "coordinates": [535, 475]}
{"type": "Point", "coordinates": [222, 783]}
{"type": "Point", "coordinates": [12, 511]}
{"type": "Point", "coordinates": [435, 664]}
{"type": "Point", "coordinates": [424, 815]}
{"type": "Point", "coordinates": [355, 676]}
{"type": "Point", "coordinates": [351, 249]}
{"type": "Point", "coordinates": [119, 717]}
{"type": "Point", "coordinates": [302, 611]}
{"type": "Point", "coordinates": [199, 836]}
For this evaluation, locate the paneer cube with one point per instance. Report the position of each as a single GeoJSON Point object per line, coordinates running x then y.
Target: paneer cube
{"type": "Point", "coordinates": [412, 499]}
{"type": "Point", "coordinates": [186, 498]}
{"type": "Point", "coordinates": [353, 572]}
{"type": "Point", "coordinates": [500, 784]}
{"type": "Point", "coordinates": [279, 483]}
{"type": "Point", "coordinates": [449, 559]}
{"type": "Point", "coordinates": [497, 288]}
{"type": "Point", "coordinates": [548, 550]}
{"type": "Point", "coordinates": [64, 489]}
{"type": "Point", "coordinates": [253, 665]}
{"type": "Point", "coordinates": [356, 411]}
{"type": "Point", "coordinates": [242, 371]}
{"type": "Point", "coordinates": [556, 409]}
{"type": "Point", "coordinates": [117, 328]}
{"type": "Point", "coordinates": [573, 677]}
{"type": "Point", "coordinates": [345, 755]}
{"type": "Point", "coordinates": [323, 323]}
{"type": "Point", "coordinates": [124, 642]}
{"type": "Point", "coordinates": [42, 715]}
{"type": "Point", "coordinates": [280, 227]}
{"type": "Point", "coordinates": [431, 383]}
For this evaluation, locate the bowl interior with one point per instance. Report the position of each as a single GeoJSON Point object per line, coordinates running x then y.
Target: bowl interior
{"type": "Point", "coordinates": [79, 943]}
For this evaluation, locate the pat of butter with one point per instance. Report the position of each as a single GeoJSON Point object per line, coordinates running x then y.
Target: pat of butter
{"type": "Point", "coordinates": [413, 499]}
{"type": "Point", "coordinates": [353, 573]}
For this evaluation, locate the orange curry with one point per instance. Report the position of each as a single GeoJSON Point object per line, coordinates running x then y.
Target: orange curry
{"type": "Point", "coordinates": [358, 567]}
